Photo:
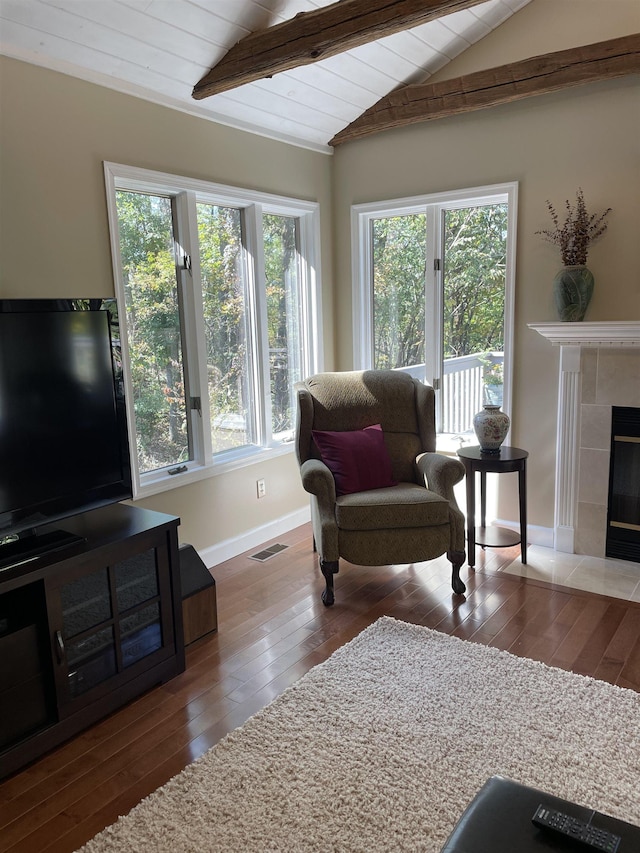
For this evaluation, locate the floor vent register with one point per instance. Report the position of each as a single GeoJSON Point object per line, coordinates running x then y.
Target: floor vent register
{"type": "Point", "coordinates": [268, 553]}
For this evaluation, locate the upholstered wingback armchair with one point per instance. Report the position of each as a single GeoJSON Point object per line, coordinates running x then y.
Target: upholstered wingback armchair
{"type": "Point", "coordinates": [378, 496]}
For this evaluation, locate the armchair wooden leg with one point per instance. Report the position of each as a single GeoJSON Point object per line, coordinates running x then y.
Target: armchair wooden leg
{"type": "Point", "coordinates": [457, 558]}
{"type": "Point", "coordinates": [329, 568]}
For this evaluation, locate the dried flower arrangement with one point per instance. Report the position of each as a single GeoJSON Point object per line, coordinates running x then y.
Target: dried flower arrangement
{"type": "Point", "coordinates": [578, 232]}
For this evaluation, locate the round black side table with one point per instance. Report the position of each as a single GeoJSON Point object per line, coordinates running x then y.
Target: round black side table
{"type": "Point", "coordinates": [508, 459]}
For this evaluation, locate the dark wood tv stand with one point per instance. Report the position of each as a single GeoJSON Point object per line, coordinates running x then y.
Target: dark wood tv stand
{"type": "Point", "coordinates": [86, 629]}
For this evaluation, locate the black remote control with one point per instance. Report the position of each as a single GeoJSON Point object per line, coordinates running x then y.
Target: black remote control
{"type": "Point", "coordinates": [579, 830]}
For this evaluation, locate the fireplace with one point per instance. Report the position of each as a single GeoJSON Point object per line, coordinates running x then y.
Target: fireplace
{"type": "Point", "coordinates": [623, 517]}
{"type": "Point", "coordinates": [599, 372]}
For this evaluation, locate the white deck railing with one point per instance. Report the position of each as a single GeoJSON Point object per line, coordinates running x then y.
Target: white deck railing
{"type": "Point", "coordinates": [464, 390]}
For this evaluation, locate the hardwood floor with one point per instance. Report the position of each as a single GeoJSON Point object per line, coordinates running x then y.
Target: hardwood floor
{"type": "Point", "coordinates": [272, 629]}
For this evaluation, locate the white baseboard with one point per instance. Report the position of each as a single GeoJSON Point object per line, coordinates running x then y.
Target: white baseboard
{"type": "Point", "coordinates": [253, 538]}
{"type": "Point", "coordinates": [542, 536]}
{"type": "Point", "coordinates": [259, 535]}
{"type": "Point", "coordinates": [564, 540]}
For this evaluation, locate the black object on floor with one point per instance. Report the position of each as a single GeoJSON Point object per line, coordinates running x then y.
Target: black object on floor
{"type": "Point", "coordinates": [199, 602]}
{"type": "Point", "coordinates": [499, 820]}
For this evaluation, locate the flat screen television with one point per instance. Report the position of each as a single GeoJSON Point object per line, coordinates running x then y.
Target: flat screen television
{"type": "Point", "coordinates": [63, 432]}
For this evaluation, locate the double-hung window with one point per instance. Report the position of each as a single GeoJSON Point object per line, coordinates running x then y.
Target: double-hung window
{"type": "Point", "coordinates": [433, 280]}
{"type": "Point", "coordinates": [217, 293]}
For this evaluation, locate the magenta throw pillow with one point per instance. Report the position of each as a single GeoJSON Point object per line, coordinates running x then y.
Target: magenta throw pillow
{"type": "Point", "coordinates": [358, 459]}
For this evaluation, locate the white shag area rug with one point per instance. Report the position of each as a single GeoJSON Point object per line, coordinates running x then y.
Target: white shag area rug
{"type": "Point", "coordinates": [382, 746]}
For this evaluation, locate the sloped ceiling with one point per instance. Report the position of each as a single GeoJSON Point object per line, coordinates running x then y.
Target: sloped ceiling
{"type": "Point", "coordinates": [160, 49]}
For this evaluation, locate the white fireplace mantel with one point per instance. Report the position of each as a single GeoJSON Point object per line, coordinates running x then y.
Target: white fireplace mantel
{"type": "Point", "coordinates": [571, 338]}
{"type": "Point", "coordinates": [614, 333]}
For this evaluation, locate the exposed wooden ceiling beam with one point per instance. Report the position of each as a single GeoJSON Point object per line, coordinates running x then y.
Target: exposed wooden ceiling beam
{"type": "Point", "coordinates": [312, 36]}
{"type": "Point", "coordinates": [535, 76]}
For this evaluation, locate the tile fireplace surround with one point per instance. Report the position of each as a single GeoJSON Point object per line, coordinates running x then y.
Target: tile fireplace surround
{"type": "Point", "coordinates": [599, 368]}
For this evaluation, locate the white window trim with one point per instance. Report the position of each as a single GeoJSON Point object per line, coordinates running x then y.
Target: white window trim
{"type": "Point", "coordinates": [362, 216]}
{"type": "Point", "coordinates": [186, 191]}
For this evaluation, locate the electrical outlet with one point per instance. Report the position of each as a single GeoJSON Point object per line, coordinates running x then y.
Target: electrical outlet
{"type": "Point", "coordinates": [261, 488]}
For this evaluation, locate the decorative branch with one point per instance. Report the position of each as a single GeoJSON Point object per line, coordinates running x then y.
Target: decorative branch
{"type": "Point", "coordinates": [578, 231]}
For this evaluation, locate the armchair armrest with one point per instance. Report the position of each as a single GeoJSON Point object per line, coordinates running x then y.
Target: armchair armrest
{"type": "Point", "coordinates": [318, 480]}
{"type": "Point", "coordinates": [441, 473]}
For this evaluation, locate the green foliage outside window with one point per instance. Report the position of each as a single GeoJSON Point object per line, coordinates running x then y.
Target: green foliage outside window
{"type": "Point", "coordinates": [474, 274]}
{"type": "Point", "coordinates": [474, 284]}
{"type": "Point", "coordinates": [157, 373]}
{"type": "Point", "coordinates": [226, 322]}
{"type": "Point", "coordinates": [283, 315]}
{"type": "Point", "coordinates": [399, 257]}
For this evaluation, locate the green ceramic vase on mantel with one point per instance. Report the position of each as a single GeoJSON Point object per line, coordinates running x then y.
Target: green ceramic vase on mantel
{"type": "Point", "coordinates": [572, 292]}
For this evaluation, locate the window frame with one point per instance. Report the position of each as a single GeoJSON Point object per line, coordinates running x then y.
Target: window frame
{"type": "Point", "coordinates": [185, 194]}
{"type": "Point", "coordinates": [434, 205]}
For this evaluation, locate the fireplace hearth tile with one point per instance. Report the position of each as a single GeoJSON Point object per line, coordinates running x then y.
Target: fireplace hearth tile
{"type": "Point", "coordinates": [545, 564]}
{"type": "Point", "coordinates": [611, 566]}
{"type": "Point", "coordinates": [605, 576]}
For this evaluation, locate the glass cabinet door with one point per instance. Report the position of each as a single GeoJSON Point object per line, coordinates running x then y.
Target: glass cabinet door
{"type": "Point", "coordinates": [109, 620]}
{"type": "Point", "coordinates": [137, 596]}
{"type": "Point", "coordinates": [89, 645]}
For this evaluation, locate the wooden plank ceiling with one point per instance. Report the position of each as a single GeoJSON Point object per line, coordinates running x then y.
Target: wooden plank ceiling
{"type": "Point", "coordinates": [159, 50]}
{"type": "Point", "coordinates": [313, 36]}
{"type": "Point", "coordinates": [313, 72]}
{"type": "Point", "coordinates": [536, 76]}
